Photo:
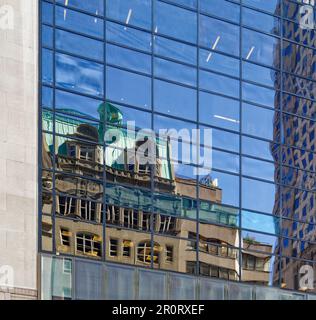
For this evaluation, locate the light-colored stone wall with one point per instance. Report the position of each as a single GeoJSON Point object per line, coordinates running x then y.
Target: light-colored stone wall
{"type": "Point", "coordinates": [18, 144]}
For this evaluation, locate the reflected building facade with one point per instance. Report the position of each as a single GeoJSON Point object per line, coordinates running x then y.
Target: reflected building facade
{"type": "Point", "coordinates": [298, 172]}
{"type": "Point", "coordinates": [79, 209]}
{"type": "Point", "coordinates": [110, 217]}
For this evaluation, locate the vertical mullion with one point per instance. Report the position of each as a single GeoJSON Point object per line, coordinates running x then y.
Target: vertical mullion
{"type": "Point", "coordinates": [240, 142]}
{"type": "Point", "coordinates": [279, 187]}
{"type": "Point", "coordinates": [104, 198]}
{"type": "Point", "coordinates": [54, 128]}
{"type": "Point", "coordinates": [198, 142]}
{"type": "Point", "coordinates": [152, 166]}
{"type": "Point", "coordinates": [40, 138]}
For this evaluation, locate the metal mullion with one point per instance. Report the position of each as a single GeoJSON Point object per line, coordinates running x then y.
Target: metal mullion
{"type": "Point", "coordinates": [186, 64]}
{"type": "Point", "coordinates": [280, 188]}
{"type": "Point", "coordinates": [140, 73]}
{"type": "Point", "coordinates": [75, 32]}
{"type": "Point", "coordinates": [124, 46]}
{"type": "Point", "coordinates": [40, 138]}
{"type": "Point", "coordinates": [74, 55]}
{"type": "Point", "coordinates": [54, 131]}
{"type": "Point", "coordinates": [219, 73]}
{"type": "Point", "coordinates": [272, 35]}
{"type": "Point", "coordinates": [240, 142]}
{"type": "Point", "coordinates": [61, 5]}
{"type": "Point", "coordinates": [260, 10]}
{"type": "Point", "coordinates": [153, 166]}
{"type": "Point", "coordinates": [212, 16]}
{"type": "Point", "coordinates": [260, 105]}
{"type": "Point", "coordinates": [104, 198]}
{"type": "Point", "coordinates": [122, 23]}
{"type": "Point", "coordinates": [258, 84]}
{"type": "Point", "coordinates": [181, 6]}
{"type": "Point", "coordinates": [197, 195]}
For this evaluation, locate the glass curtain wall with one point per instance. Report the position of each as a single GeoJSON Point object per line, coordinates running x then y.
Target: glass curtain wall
{"type": "Point", "coordinates": [122, 80]}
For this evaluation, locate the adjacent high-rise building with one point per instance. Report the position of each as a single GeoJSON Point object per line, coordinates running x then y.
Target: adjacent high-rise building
{"type": "Point", "coordinates": [157, 149]}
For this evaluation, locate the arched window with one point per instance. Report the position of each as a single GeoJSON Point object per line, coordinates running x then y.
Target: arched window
{"type": "Point", "coordinates": [144, 252]}
{"type": "Point", "coordinates": [88, 244]}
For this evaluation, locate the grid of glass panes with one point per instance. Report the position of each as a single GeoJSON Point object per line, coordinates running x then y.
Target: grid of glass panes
{"type": "Point", "coordinates": [243, 68]}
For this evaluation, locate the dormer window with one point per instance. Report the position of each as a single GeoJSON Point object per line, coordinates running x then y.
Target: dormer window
{"type": "Point", "coordinates": [86, 153]}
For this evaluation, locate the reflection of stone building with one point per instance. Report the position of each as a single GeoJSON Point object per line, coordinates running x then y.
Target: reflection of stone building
{"type": "Point", "coordinates": [299, 161]}
{"type": "Point", "coordinates": [130, 215]}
